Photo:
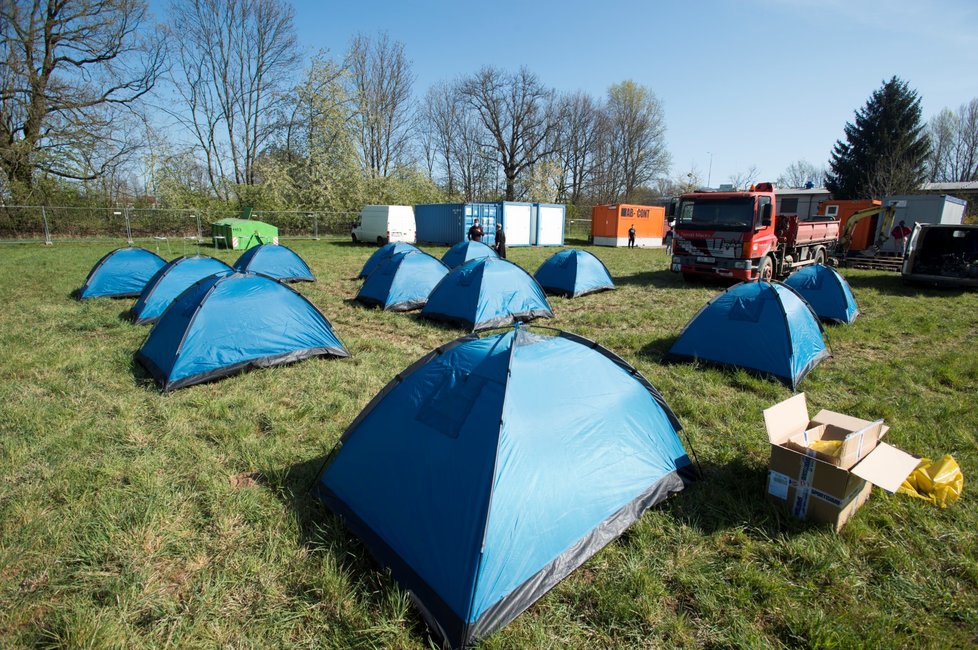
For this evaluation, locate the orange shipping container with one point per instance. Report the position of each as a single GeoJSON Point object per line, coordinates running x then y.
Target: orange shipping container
{"type": "Point", "coordinates": [610, 224]}
{"type": "Point", "coordinates": [862, 236]}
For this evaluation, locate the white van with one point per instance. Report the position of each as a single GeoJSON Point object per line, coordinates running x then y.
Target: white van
{"type": "Point", "coordinates": [385, 223]}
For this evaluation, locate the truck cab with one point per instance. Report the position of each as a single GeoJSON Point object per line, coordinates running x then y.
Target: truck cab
{"type": "Point", "coordinates": [738, 235]}
{"type": "Point", "coordinates": [727, 234]}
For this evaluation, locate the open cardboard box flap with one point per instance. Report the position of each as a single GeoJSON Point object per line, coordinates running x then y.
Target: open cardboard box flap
{"type": "Point", "coordinates": [886, 467]}
{"type": "Point", "coordinates": [844, 421]}
{"type": "Point", "coordinates": [786, 419]}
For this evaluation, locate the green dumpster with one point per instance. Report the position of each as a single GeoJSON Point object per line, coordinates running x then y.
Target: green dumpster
{"type": "Point", "coordinates": [242, 234]}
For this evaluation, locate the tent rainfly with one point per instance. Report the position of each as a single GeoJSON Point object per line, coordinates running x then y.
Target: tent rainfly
{"type": "Point", "coordinates": [123, 273]}
{"type": "Point", "coordinates": [491, 468]}
{"type": "Point", "coordinates": [465, 251]}
{"type": "Point", "coordinates": [169, 282]}
{"type": "Point", "coordinates": [229, 323]}
{"type": "Point", "coordinates": [275, 261]}
{"type": "Point", "coordinates": [402, 282]}
{"type": "Point", "coordinates": [384, 252]}
{"type": "Point", "coordinates": [763, 327]}
{"type": "Point", "coordinates": [826, 291]}
{"type": "Point", "coordinates": [487, 292]}
{"type": "Point", "coordinates": [573, 273]}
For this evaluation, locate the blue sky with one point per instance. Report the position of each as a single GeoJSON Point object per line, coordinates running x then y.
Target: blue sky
{"type": "Point", "coordinates": [755, 82]}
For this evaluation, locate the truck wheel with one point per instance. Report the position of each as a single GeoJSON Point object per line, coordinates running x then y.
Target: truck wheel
{"type": "Point", "coordinates": [380, 241]}
{"type": "Point", "coordinates": [766, 271]}
{"type": "Point", "coordinates": [820, 256]}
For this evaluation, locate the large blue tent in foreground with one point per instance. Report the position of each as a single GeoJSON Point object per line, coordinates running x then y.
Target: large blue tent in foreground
{"type": "Point", "coordinates": [826, 291]}
{"type": "Point", "coordinates": [493, 467]}
{"type": "Point", "coordinates": [759, 326]}
{"type": "Point", "coordinates": [228, 323]}
{"type": "Point", "coordinates": [170, 281]}
{"type": "Point", "coordinates": [487, 292]}
{"type": "Point", "coordinates": [275, 261]}
{"type": "Point", "coordinates": [123, 273]}
{"type": "Point", "coordinates": [573, 273]}
{"type": "Point", "coordinates": [402, 282]}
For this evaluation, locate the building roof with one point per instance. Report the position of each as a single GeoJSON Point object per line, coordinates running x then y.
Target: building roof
{"type": "Point", "coordinates": [961, 186]}
{"type": "Point", "coordinates": [801, 191]}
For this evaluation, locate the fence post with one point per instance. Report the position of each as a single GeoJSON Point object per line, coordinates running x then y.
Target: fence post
{"type": "Point", "coordinates": [47, 231]}
{"type": "Point", "coordinates": [315, 226]}
{"type": "Point", "coordinates": [128, 226]}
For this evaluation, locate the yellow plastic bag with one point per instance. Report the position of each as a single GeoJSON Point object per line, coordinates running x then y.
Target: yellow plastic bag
{"type": "Point", "coordinates": [827, 447]}
{"type": "Point", "coordinates": [940, 483]}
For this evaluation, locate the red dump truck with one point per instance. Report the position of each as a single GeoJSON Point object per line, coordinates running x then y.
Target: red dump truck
{"type": "Point", "coordinates": [738, 235]}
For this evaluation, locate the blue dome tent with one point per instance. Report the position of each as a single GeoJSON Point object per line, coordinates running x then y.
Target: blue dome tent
{"type": "Point", "coordinates": [275, 261]}
{"type": "Point", "coordinates": [826, 291]}
{"type": "Point", "coordinates": [228, 323]}
{"type": "Point", "coordinates": [759, 326]}
{"type": "Point", "coordinates": [169, 282]}
{"type": "Point", "coordinates": [490, 469]}
{"type": "Point", "coordinates": [121, 274]}
{"type": "Point", "coordinates": [464, 251]}
{"type": "Point", "coordinates": [487, 292]}
{"type": "Point", "coordinates": [573, 273]}
{"type": "Point", "coordinates": [384, 252]}
{"type": "Point", "coordinates": [402, 282]}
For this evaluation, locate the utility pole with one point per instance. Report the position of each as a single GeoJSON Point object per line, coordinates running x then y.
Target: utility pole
{"type": "Point", "coordinates": [709, 173]}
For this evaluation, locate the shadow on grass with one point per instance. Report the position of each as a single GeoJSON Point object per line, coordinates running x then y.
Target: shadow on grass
{"type": "Point", "coordinates": [141, 376]}
{"type": "Point", "coordinates": [731, 496]}
{"type": "Point", "coordinates": [660, 278]}
{"type": "Point", "coordinates": [321, 531]}
{"type": "Point", "coordinates": [657, 349]}
{"type": "Point", "coordinates": [893, 283]}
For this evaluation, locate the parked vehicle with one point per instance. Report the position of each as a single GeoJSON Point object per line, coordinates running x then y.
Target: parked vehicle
{"type": "Point", "coordinates": [383, 224]}
{"type": "Point", "coordinates": [942, 255]}
{"type": "Point", "coordinates": [738, 235]}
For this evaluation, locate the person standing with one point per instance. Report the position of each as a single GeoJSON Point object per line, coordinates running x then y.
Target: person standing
{"type": "Point", "coordinates": [631, 237]}
{"type": "Point", "coordinates": [476, 232]}
{"type": "Point", "coordinates": [900, 233]}
{"type": "Point", "coordinates": [500, 241]}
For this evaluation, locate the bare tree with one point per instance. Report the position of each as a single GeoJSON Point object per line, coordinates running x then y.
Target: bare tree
{"type": "Point", "coordinates": [380, 81]}
{"type": "Point", "coordinates": [440, 114]}
{"type": "Point", "coordinates": [744, 179]}
{"type": "Point", "coordinates": [943, 130]}
{"type": "Point", "coordinates": [70, 70]}
{"type": "Point", "coordinates": [800, 173]}
{"type": "Point", "coordinates": [636, 133]}
{"type": "Point", "coordinates": [964, 160]}
{"type": "Point", "coordinates": [517, 113]}
{"type": "Point", "coordinates": [233, 59]}
{"type": "Point", "coordinates": [580, 130]}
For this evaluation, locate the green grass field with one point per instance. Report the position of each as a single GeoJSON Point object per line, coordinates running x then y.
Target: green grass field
{"type": "Point", "coordinates": [138, 520]}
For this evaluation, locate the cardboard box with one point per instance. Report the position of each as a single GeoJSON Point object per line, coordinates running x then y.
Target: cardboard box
{"type": "Point", "coordinates": [822, 487]}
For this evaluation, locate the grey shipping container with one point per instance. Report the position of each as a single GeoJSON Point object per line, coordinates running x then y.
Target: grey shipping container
{"type": "Point", "coordinates": [921, 208]}
{"type": "Point", "coordinates": [449, 223]}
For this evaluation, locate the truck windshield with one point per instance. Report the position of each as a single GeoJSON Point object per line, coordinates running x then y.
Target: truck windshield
{"type": "Point", "coordinates": [717, 214]}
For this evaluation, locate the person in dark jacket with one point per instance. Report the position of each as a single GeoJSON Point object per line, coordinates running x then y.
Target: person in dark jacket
{"type": "Point", "coordinates": [631, 237]}
{"type": "Point", "coordinates": [476, 232]}
{"type": "Point", "coordinates": [500, 241]}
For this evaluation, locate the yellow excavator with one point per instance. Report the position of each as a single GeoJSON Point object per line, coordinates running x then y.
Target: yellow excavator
{"type": "Point", "coordinates": [845, 239]}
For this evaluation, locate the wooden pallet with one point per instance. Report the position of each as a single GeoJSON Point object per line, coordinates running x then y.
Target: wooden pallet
{"type": "Point", "coordinates": [882, 262]}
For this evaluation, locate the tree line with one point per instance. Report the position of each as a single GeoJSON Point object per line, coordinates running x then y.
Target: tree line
{"type": "Point", "coordinates": [216, 105]}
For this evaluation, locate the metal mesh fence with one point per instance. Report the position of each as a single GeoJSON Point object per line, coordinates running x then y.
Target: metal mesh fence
{"type": "Point", "coordinates": [51, 224]}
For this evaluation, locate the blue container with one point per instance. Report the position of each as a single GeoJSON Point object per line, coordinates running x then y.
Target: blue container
{"type": "Point", "coordinates": [449, 223]}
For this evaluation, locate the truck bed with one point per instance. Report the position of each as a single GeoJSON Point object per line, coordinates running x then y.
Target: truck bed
{"type": "Point", "coordinates": [803, 233]}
